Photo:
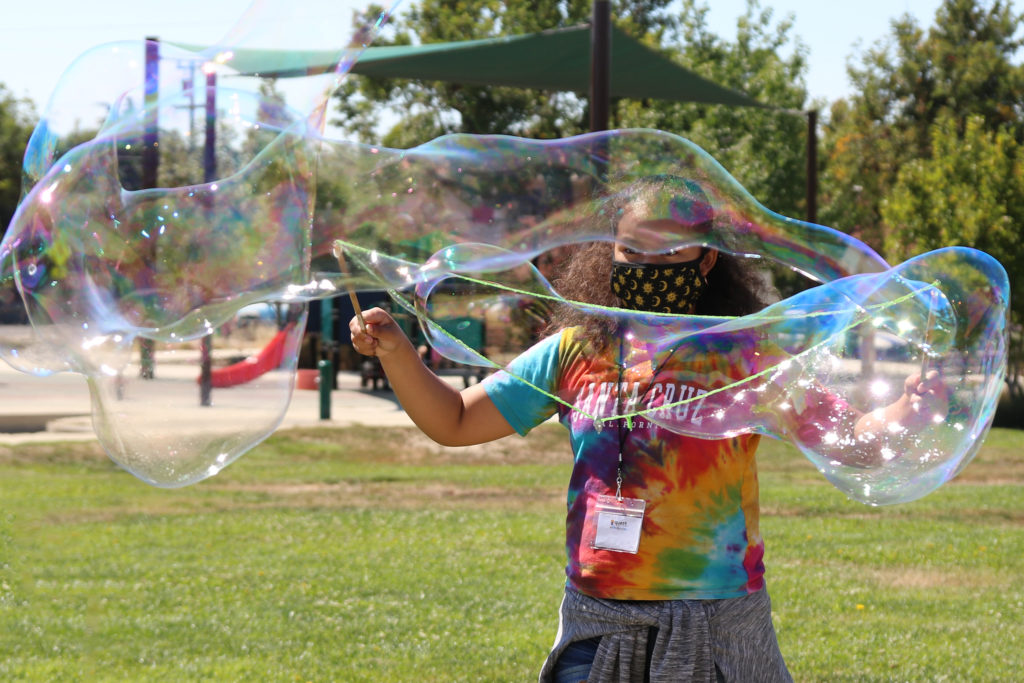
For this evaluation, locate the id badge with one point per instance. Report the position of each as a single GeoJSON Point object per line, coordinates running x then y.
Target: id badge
{"type": "Point", "coordinates": [618, 523]}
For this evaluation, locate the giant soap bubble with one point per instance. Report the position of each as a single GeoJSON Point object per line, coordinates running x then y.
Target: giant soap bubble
{"type": "Point", "coordinates": [804, 369]}
{"type": "Point", "coordinates": [467, 231]}
{"type": "Point", "coordinates": [102, 256]}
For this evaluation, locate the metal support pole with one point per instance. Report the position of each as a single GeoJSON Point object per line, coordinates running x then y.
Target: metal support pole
{"type": "Point", "coordinates": [600, 64]}
{"type": "Point", "coordinates": [209, 175]}
{"type": "Point", "coordinates": [150, 168]}
{"type": "Point", "coordinates": [326, 377]}
{"type": "Point", "coordinates": [210, 142]}
{"type": "Point", "coordinates": [812, 166]}
{"type": "Point", "coordinates": [600, 83]}
{"type": "Point", "coordinates": [326, 364]}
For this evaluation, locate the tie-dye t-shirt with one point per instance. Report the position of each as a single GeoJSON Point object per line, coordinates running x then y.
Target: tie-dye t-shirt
{"type": "Point", "coordinates": [700, 536]}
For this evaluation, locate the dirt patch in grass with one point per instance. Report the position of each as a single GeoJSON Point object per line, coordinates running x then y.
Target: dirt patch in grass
{"type": "Point", "coordinates": [858, 512]}
{"type": "Point", "coordinates": [994, 516]}
{"type": "Point", "coordinates": [56, 452]}
{"type": "Point", "coordinates": [917, 577]}
{"type": "Point", "coordinates": [924, 578]}
{"type": "Point", "coordinates": [1002, 463]}
{"type": "Point", "coordinates": [547, 444]}
{"type": "Point", "coordinates": [992, 471]}
{"type": "Point", "coordinates": [234, 496]}
{"type": "Point", "coordinates": [538, 449]}
{"type": "Point", "coordinates": [401, 495]}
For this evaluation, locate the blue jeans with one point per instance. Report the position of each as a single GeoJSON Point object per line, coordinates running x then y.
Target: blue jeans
{"type": "Point", "coordinates": [574, 664]}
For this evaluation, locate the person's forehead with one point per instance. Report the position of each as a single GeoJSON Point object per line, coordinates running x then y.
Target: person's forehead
{"type": "Point", "coordinates": [684, 208]}
{"type": "Point", "coordinates": [641, 229]}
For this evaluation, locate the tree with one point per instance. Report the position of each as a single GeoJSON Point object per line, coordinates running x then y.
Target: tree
{"type": "Point", "coordinates": [17, 119]}
{"type": "Point", "coordinates": [763, 148]}
{"type": "Point", "coordinates": [970, 191]}
{"type": "Point", "coordinates": [961, 67]}
{"type": "Point", "coordinates": [927, 153]}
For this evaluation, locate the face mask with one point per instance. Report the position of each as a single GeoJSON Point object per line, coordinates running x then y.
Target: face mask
{"type": "Point", "coordinates": [658, 288]}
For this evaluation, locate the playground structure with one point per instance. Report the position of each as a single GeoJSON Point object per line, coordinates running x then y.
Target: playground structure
{"type": "Point", "coordinates": [252, 367]}
{"type": "Point", "coordinates": [469, 331]}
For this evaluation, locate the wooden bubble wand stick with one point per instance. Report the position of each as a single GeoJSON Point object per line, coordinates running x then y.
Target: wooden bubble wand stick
{"type": "Point", "coordinates": [340, 255]}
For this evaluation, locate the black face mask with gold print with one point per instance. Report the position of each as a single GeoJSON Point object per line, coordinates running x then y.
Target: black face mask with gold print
{"type": "Point", "coordinates": [658, 287]}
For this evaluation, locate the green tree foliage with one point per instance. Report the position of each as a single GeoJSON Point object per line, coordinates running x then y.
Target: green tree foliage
{"type": "Point", "coordinates": [17, 119]}
{"type": "Point", "coordinates": [970, 191]}
{"type": "Point", "coordinates": [963, 66]}
{"type": "Point", "coordinates": [764, 148]}
{"type": "Point", "coordinates": [927, 154]}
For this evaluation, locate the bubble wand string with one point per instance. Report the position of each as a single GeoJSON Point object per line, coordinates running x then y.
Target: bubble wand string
{"type": "Point", "coordinates": [339, 254]}
{"type": "Point", "coordinates": [487, 362]}
{"type": "Point", "coordinates": [925, 346]}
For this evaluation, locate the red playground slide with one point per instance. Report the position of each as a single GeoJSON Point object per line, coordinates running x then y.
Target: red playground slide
{"type": "Point", "coordinates": [253, 366]}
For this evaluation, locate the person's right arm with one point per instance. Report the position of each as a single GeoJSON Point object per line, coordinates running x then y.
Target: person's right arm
{"type": "Point", "coordinates": [446, 415]}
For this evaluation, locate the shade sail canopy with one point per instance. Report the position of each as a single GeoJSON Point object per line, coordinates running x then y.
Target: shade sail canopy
{"type": "Point", "coordinates": [557, 60]}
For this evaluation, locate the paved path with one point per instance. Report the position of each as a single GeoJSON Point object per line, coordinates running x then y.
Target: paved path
{"type": "Point", "coordinates": [58, 407]}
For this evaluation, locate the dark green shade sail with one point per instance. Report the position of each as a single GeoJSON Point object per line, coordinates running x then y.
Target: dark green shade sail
{"type": "Point", "coordinates": [557, 60]}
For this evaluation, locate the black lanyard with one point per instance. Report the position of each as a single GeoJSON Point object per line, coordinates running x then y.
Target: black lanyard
{"type": "Point", "coordinates": [624, 434]}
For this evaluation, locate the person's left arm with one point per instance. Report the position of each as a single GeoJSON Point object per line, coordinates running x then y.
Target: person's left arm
{"type": "Point", "coordinates": [924, 402]}
{"type": "Point", "coordinates": [828, 424]}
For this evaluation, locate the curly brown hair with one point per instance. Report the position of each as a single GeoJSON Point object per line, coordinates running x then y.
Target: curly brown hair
{"type": "Point", "coordinates": [734, 288]}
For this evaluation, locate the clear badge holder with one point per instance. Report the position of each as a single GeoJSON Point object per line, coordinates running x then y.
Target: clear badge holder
{"type": "Point", "coordinates": [618, 523]}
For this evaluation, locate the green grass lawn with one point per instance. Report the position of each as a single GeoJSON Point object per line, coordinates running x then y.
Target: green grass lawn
{"type": "Point", "coordinates": [374, 555]}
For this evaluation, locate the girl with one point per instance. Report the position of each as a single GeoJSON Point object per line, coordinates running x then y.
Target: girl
{"type": "Point", "coordinates": [665, 580]}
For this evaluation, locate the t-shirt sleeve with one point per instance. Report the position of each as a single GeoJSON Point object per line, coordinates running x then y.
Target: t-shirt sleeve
{"type": "Point", "coordinates": [524, 391]}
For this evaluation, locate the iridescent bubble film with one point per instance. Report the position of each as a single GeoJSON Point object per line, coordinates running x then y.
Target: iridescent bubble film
{"type": "Point", "coordinates": [467, 234]}
{"type": "Point", "coordinates": [478, 226]}
{"type": "Point", "coordinates": [166, 191]}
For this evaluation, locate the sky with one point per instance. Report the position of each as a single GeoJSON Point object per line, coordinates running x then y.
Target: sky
{"type": "Point", "coordinates": [40, 39]}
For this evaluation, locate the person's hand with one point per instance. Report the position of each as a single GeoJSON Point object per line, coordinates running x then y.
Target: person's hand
{"type": "Point", "coordinates": [382, 335]}
{"type": "Point", "coordinates": [926, 400]}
